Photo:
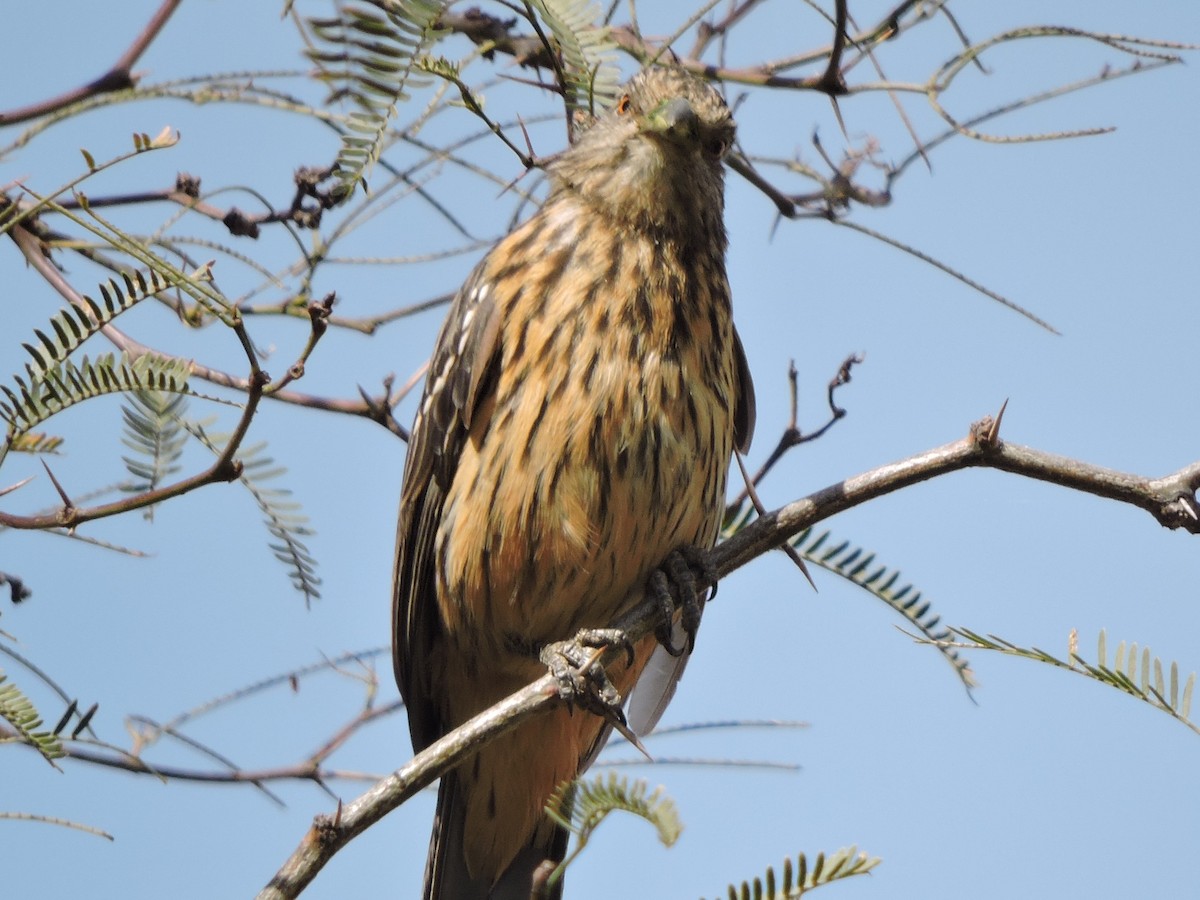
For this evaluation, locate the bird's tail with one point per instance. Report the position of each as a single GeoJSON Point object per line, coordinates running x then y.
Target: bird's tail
{"type": "Point", "coordinates": [446, 875]}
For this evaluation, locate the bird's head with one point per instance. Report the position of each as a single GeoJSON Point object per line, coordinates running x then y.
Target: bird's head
{"type": "Point", "coordinates": [655, 159]}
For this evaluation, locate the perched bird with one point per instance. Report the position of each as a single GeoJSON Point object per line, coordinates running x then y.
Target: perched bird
{"type": "Point", "coordinates": [582, 405]}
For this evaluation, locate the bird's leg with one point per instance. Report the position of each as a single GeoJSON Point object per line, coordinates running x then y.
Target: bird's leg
{"type": "Point", "coordinates": [674, 584]}
{"type": "Point", "coordinates": [575, 665]}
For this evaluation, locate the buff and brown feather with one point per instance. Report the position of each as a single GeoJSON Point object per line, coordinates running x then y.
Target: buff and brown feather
{"type": "Point", "coordinates": [582, 405]}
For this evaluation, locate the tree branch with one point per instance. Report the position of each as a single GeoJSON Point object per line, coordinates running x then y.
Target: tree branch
{"type": "Point", "coordinates": [1170, 499]}
{"type": "Point", "coordinates": [377, 409]}
{"type": "Point", "coordinates": [311, 768]}
{"type": "Point", "coordinates": [226, 467]}
{"type": "Point", "coordinates": [119, 77]}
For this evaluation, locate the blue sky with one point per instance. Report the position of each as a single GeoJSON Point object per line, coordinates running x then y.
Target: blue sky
{"type": "Point", "coordinates": [1048, 785]}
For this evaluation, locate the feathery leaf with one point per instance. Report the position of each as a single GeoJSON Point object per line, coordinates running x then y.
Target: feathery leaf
{"type": "Point", "coordinates": [153, 430]}
{"type": "Point", "coordinates": [859, 567]}
{"type": "Point", "coordinates": [586, 51]}
{"type": "Point", "coordinates": [367, 53]}
{"type": "Point", "coordinates": [1123, 674]}
{"type": "Point", "coordinates": [71, 326]}
{"type": "Point", "coordinates": [580, 806]}
{"type": "Point", "coordinates": [282, 517]}
{"type": "Point", "coordinates": [799, 879]}
{"type": "Point", "coordinates": [19, 712]}
{"type": "Point", "coordinates": [27, 404]}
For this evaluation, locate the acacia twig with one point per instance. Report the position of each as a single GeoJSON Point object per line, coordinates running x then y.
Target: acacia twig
{"type": "Point", "coordinates": [226, 467]}
{"type": "Point", "coordinates": [1170, 499]}
{"type": "Point", "coordinates": [118, 78]}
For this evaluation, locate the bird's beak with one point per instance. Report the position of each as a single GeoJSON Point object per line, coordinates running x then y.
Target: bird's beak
{"type": "Point", "coordinates": [674, 120]}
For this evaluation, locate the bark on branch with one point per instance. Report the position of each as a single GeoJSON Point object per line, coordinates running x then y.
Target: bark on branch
{"type": "Point", "coordinates": [1171, 500]}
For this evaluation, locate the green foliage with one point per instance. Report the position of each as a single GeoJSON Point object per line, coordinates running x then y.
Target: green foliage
{"type": "Point", "coordinates": [859, 567]}
{"type": "Point", "coordinates": [154, 425]}
{"type": "Point", "coordinates": [1133, 670]}
{"type": "Point", "coordinates": [281, 515]}
{"type": "Point", "coordinates": [368, 54]}
{"type": "Point", "coordinates": [799, 879]}
{"type": "Point", "coordinates": [585, 50]}
{"type": "Point", "coordinates": [284, 521]}
{"type": "Point", "coordinates": [36, 442]}
{"type": "Point", "coordinates": [155, 428]}
{"type": "Point", "coordinates": [71, 326]}
{"type": "Point", "coordinates": [28, 404]}
{"type": "Point", "coordinates": [18, 711]}
{"type": "Point", "coordinates": [580, 806]}
{"type": "Point", "coordinates": [52, 382]}
{"type": "Point", "coordinates": [154, 431]}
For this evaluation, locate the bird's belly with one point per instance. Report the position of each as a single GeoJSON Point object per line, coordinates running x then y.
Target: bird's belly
{"type": "Point", "coordinates": [599, 499]}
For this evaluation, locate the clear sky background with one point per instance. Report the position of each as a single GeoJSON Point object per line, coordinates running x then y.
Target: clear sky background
{"type": "Point", "coordinates": [1048, 786]}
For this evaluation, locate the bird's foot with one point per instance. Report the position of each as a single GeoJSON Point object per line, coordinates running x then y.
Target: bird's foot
{"type": "Point", "coordinates": [582, 680]}
{"type": "Point", "coordinates": [673, 585]}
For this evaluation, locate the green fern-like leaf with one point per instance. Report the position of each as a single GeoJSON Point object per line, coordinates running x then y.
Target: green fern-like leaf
{"type": "Point", "coordinates": [19, 712]}
{"type": "Point", "coordinates": [797, 880]}
{"type": "Point", "coordinates": [27, 404]}
{"type": "Point", "coordinates": [285, 522]}
{"type": "Point", "coordinates": [580, 806]}
{"type": "Point", "coordinates": [860, 568]}
{"type": "Point", "coordinates": [154, 431]}
{"type": "Point", "coordinates": [1133, 671]}
{"type": "Point", "coordinates": [367, 53]}
{"type": "Point", "coordinates": [587, 52]}
{"type": "Point", "coordinates": [71, 326]}
{"type": "Point", "coordinates": [281, 515]}
{"type": "Point", "coordinates": [37, 442]}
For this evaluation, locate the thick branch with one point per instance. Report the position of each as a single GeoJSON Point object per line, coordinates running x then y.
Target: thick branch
{"type": "Point", "coordinates": [1171, 500]}
{"type": "Point", "coordinates": [329, 834]}
{"type": "Point", "coordinates": [119, 77]}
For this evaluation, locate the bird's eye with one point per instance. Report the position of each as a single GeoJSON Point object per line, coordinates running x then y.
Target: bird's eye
{"type": "Point", "coordinates": [623, 105]}
{"type": "Point", "coordinates": [716, 146]}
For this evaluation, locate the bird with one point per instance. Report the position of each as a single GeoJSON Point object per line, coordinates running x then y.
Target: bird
{"type": "Point", "coordinates": [580, 411]}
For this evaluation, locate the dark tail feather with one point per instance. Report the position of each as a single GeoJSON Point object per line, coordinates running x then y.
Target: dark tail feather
{"type": "Point", "coordinates": [446, 876]}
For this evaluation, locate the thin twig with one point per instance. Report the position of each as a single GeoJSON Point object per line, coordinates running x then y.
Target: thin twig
{"type": "Point", "coordinates": [118, 78]}
{"type": "Point", "coordinates": [226, 467]}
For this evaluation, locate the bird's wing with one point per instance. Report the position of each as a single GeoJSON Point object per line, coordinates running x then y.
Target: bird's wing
{"type": "Point", "coordinates": [745, 410]}
{"type": "Point", "coordinates": [461, 375]}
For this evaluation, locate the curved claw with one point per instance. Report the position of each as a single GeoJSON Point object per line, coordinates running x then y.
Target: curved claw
{"type": "Point", "coordinates": [603, 638]}
{"type": "Point", "coordinates": [664, 631]}
{"type": "Point", "coordinates": [680, 570]}
{"type": "Point", "coordinates": [581, 679]}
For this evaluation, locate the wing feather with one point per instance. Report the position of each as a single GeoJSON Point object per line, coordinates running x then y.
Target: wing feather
{"type": "Point", "coordinates": [457, 386]}
{"type": "Point", "coordinates": [745, 411]}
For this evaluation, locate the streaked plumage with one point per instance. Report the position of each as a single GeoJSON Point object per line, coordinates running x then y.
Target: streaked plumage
{"type": "Point", "coordinates": [581, 408]}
